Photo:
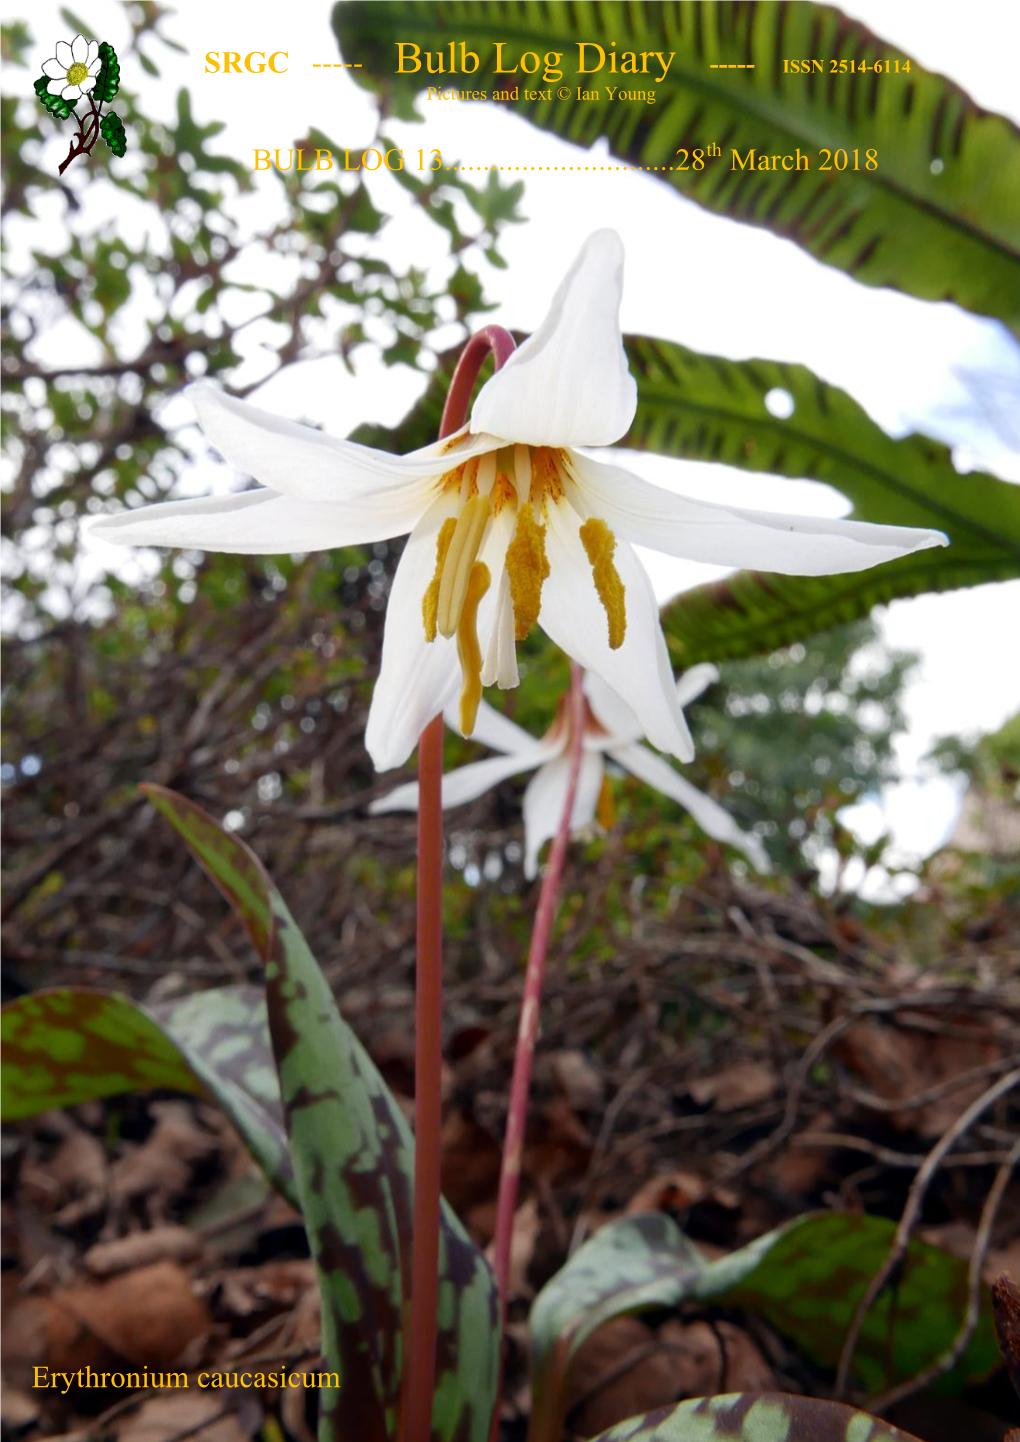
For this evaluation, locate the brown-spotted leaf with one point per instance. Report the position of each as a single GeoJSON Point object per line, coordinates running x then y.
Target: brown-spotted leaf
{"type": "Point", "coordinates": [73, 1044]}
{"type": "Point", "coordinates": [755, 1417]}
{"type": "Point", "coordinates": [630, 1266]}
{"type": "Point", "coordinates": [353, 1158]}
{"type": "Point", "coordinates": [805, 1279]}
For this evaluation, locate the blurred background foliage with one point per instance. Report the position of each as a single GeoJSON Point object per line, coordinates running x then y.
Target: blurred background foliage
{"type": "Point", "coordinates": [244, 682]}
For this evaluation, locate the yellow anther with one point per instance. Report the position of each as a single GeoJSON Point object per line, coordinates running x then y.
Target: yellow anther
{"type": "Point", "coordinates": [527, 568]}
{"type": "Point", "coordinates": [468, 649]}
{"type": "Point", "coordinates": [605, 811]}
{"type": "Point", "coordinates": [600, 544]}
{"type": "Point", "coordinates": [468, 535]}
{"type": "Point", "coordinates": [430, 600]}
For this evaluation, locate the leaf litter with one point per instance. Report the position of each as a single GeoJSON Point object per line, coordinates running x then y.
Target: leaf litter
{"type": "Point", "coordinates": [730, 1074]}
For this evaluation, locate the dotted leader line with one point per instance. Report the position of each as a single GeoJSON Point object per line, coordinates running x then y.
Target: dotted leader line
{"type": "Point", "coordinates": [562, 167]}
{"type": "Point", "coordinates": [731, 67]}
{"type": "Point", "coordinates": [337, 65]}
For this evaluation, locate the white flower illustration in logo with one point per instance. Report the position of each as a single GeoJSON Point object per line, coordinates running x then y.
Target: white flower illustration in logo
{"type": "Point", "coordinates": [74, 69]}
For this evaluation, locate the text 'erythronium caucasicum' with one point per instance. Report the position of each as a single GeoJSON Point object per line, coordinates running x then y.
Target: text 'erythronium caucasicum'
{"type": "Point", "coordinates": [610, 732]}
{"type": "Point", "coordinates": [510, 524]}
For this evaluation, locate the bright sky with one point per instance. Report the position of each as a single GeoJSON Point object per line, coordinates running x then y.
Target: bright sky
{"type": "Point", "coordinates": [716, 286]}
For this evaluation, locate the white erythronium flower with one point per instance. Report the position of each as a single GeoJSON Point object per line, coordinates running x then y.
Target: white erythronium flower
{"type": "Point", "coordinates": [509, 524]}
{"type": "Point", "coordinates": [74, 70]}
{"type": "Point", "coordinates": [610, 730]}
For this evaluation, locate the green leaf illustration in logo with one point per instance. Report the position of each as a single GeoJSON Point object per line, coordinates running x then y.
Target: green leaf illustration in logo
{"type": "Point", "coordinates": [109, 79]}
{"type": "Point", "coordinates": [59, 108]}
{"type": "Point", "coordinates": [111, 128]}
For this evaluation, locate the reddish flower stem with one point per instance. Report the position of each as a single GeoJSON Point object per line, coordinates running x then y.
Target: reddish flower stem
{"type": "Point", "coordinates": [420, 1363]}
{"type": "Point", "coordinates": [428, 1060]}
{"type": "Point", "coordinates": [493, 338]}
{"type": "Point", "coordinates": [527, 1031]}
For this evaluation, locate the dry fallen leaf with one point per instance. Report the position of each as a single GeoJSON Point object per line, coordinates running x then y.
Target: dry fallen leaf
{"type": "Point", "coordinates": [18, 1411]}
{"type": "Point", "coordinates": [294, 1405]}
{"type": "Point", "coordinates": [255, 1294]}
{"type": "Point", "coordinates": [471, 1161]}
{"type": "Point", "coordinates": [558, 1144]}
{"type": "Point", "coordinates": [159, 1171]}
{"type": "Point", "coordinates": [580, 1083]}
{"type": "Point", "coordinates": [173, 1413]}
{"type": "Point", "coordinates": [740, 1085]}
{"type": "Point", "coordinates": [523, 1239]}
{"type": "Point", "coordinates": [141, 1249]}
{"type": "Point", "coordinates": [671, 1191]}
{"type": "Point", "coordinates": [896, 1064]}
{"type": "Point", "coordinates": [149, 1317]}
{"type": "Point", "coordinates": [625, 1368]}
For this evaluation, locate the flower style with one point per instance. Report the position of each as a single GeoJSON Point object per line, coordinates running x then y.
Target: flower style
{"type": "Point", "coordinates": [610, 730]}
{"type": "Point", "coordinates": [74, 70]}
{"type": "Point", "coordinates": [509, 524]}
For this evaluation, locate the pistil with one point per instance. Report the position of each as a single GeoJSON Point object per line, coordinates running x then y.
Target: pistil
{"type": "Point", "coordinates": [468, 649]}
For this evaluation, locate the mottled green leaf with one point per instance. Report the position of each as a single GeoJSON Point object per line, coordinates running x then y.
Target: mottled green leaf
{"type": "Point", "coordinates": [755, 1417]}
{"type": "Point", "coordinates": [938, 215]}
{"type": "Point", "coordinates": [73, 1044]}
{"type": "Point", "coordinates": [630, 1266]}
{"type": "Point", "coordinates": [805, 1279]}
{"type": "Point", "coordinates": [354, 1161]}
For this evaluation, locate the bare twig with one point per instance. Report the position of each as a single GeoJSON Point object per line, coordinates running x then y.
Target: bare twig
{"type": "Point", "coordinates": [955, 1351]}
{"type": "Point", "coordinates": [911, 1211]}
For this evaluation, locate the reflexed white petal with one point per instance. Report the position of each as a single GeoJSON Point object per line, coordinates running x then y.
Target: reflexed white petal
{"type": "Point", "coordinates": [572, 615]}
{"type": "Point", "coordinates": [95, 66]}
{"type": "Point", "coordinates": [80, 50]}
{"type": "Point", "coordinates": [88, 84]}
{"type": "Point", "coordinates": [464, 784]}
{"type": "Point", "coordinates": [569, 384]}
{"type": "Point", "coordinates": [298, 461]}
{"type": "Point", "coordinates": [71, 92]}
{"type": "Point", "coordinates": [93, 54]}
{"type": "Point", "coordinates": [546, 796]}
{"type": "Point", "coordinates": [54, 70]}
{"type": "Point", "coordinates": [494, 729]}
{"type": "Point", "coordinates": [694, 681]}
{"type": "Point", "coordinates": [417, 679]}
{"type": "Point", "coordinates": [255, 523]}
{"type": "Point", "coordinates": [63, 55]}
{"type": "Point", "coordinates": [732, 536]}
{"type": "Point", "coordinates": [709, 815]}
{"type": "Point", "coordinates": [611, 711]}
